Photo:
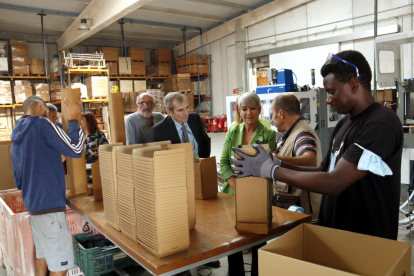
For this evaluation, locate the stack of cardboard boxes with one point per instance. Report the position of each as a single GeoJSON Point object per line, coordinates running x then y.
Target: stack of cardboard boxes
{"type": "Point", "coordinates": [20, 58]}
{"type": "Point", "coordinates": [194, 65]}
{"type": "Point", "coordinates": [4, 64]}
{"type": "Point", "coordinates": [37, 66]}
{"type": "Point", "coordinates": [22, 90]}
{"type": "Point", "coordinates": [55, 91]}
{"type": "Point", "coordinates": [387, 97]}
{"type": "Point", "coordinates": [161, 200]}
{"type": "Point", "coordinates": [159, 99]}
{"type": "Point", "coordinates": [124, 66]}
{"type": "Point", "coordinates": [137, 56]}
{"type": "Point", "coordinates": [111, 59]}
{"type": "Point", "coordinates": [161, 63]}
{"type": "Point", "coordinates": [42, 90]}
{"type": "Point", "coordinates": [97, 86]}
{"type": "Point", "coordinates": [178, 83]}
{"type": "Point", "coordinates": [203, 87]}
{"type": "Point", "coordinates": [5, 92]}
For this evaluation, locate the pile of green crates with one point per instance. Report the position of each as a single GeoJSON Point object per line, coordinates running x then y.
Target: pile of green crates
{"type": "Point", "coordinates": [94, 260]}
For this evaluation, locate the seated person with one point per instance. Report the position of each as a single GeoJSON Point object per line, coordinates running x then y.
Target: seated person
{"type": "Point", "coordinates": [94, 137]}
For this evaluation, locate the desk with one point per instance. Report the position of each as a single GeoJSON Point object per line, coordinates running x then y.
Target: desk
{"type": "Point", "coordinates": [214, 237]}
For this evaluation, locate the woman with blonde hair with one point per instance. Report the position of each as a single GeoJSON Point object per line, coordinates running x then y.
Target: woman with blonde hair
{"type": "Point", "coordinates": [246, 133]}
{"type": "Point", "coordinates": [238, 119]}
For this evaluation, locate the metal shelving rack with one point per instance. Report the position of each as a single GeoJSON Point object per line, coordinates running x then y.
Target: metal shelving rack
{"type": "Point", "coordinates": [208, 98]}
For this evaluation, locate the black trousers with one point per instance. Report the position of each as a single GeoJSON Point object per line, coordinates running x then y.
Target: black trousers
{"type": "Point", "coordinates": [236, 263]}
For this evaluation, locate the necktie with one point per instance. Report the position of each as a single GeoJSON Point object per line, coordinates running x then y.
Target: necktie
{"type": "Point", "coordinates": [185, 135]}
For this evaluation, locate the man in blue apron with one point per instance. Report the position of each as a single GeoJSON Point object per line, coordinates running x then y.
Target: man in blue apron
{"type": "Point", "coordinates": [360, 175]}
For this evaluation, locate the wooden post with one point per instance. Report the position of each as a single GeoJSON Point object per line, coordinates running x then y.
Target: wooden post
{"type": "Point", "coordinates": [96, 182]}
{"type": "Point", "coordinates": [76, 167]}
{"type": "Point", "coordinates": [116, 118]}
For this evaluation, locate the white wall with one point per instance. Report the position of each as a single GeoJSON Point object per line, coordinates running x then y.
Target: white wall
{"type": "Point", "coordinates": [313, 21]}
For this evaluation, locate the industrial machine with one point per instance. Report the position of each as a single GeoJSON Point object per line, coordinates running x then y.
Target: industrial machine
{"type": "Point", "coordinates": [280, 80]}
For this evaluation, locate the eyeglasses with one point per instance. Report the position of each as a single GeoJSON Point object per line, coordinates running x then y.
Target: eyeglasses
{"type": "Point", "coordinates": [146, 103]}
{"type": "Point", "coordinates": [333, 59]}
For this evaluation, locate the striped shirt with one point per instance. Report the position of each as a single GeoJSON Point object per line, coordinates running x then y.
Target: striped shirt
{"type": "Point", "coordinates": [304, 142]}
{"type": "Point", "coordinates": [138, 129]}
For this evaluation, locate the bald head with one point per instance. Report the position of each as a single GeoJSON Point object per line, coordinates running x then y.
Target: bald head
{"type": "Point", "coordinates": [288, 103]}
{"type": "Point", "coordinates": [35, 106]}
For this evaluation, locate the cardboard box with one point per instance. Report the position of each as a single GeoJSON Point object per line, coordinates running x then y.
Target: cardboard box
{"type": "Point", "coordinates": [22, 90]}
{"type": "Point", "coordinates": [203, 87]}
{"type": "Point", "coordinates": [97, 86]}
{"type": "Point", "coordinates": [390, 95]}
{"type": "Point", "coordinates": [126, 101]}
{"type": "Point", "coordinates": [5, 92]}
{"type": "Point", "coordinates": [116, 117]}
{"type": "Point", "coordinates": [110, 54]}
{"type": "Point", "coordinates": [124, 66]}
{"type": "Point", "coordinates": [315, 250]}
{"type": "Point", "coordinates": [126, 86]}
{"type": "Point", "coordinates": [21, 70]}
{"type": "Point", "coordinates": [133, 101]}
{"type": "Point", "coordinates": [136, 54]}
{"type": "Point", "coordinates": [138, 69]}
{"type": "Point", "coordinates": [4, 65]}
{"type": "Point", "coordinates": [177, 84]}
{"type": "Point", "coordinates": [380, 95]}
{"type": "Point", "coordinates": [160, 56]}
{"type": "Point", "coordinates": [161, 200]}
{"type": "Point", "coordinates": [191, 60]}
{"type": "Point", "coordinates": [82, 87]}
{"type": "Point", "coordinates": [190, 99]}
{"type": "Point", "coordinates": [253, 197]}
{"type": "Point", "coordinates": [42, 90]}
{"type": "Point", "coordinates": [6, 166]}
{"type": "Point", "coordinates": [161, 69]}
{"type": "Point", "coordinates": [140, 85]}
{"type": "Point", "coordinates": [37, 66]}
{"type": "Point", "coordinates": [113, 68]}
{"type": "Point", "coordinates": [205, 177]}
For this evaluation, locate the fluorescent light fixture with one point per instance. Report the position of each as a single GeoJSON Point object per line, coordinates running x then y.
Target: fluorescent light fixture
{"type": "Point", "coordinates": [83, 26]}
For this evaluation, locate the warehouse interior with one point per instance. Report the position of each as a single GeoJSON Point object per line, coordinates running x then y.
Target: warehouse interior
{"type": "Point", "coordinates": [213, 51]}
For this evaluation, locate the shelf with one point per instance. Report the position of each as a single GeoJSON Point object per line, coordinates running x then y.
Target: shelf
{"type": "Point", "coordinates": [207, 98]}
{"type": "Point", "coordinates": [201, 75]}
{"type": "Point", "coordinates": [23, 77]}
{"type": "Point", "coordinates": [128, 78]}
{"type": "Point", "coordinates": [87, 71]}
{"type": "Point", "coordinates": [6, 105]}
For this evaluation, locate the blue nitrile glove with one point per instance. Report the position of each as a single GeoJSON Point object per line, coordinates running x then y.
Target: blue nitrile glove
{"type": "Point", "coordinates": [260, 165]}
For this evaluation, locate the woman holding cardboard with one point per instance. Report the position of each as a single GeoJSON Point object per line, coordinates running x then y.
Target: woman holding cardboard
{"type": "Point", "coordinates": [245, 133]}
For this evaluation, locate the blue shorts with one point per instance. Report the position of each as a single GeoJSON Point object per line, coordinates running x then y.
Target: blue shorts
{"type": "Point", "coordinates": [53, 241]}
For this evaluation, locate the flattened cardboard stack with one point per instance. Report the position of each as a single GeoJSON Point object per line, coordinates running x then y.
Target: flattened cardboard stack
{"type": "Point", "coordinates": [161, 200]}
{"type": "Point", "coordinates": [126, 192]}
{"type": "Point", "coordinates": [97, 86]}
{"type": "Point", "coordinates": [126, 86]}
{"type": "Point", "coordinates": [110, 54]}
{"type": "Point", "coordinates": [253, 201]}
{"type": "Point", "coordinates": [20, 57]}
{"type": "Point", "coordinates": [107, 166]}
{"type": "Point", "coordinates": [42, 90]}
{"type": "Point", "coordinates": [5, 92]}
{"type": "Point", "coordinates": [140, 85]}
{"type": "Point", "coordinates": [124, 66]}
{"type": "Point", "coordinates": [190, 179]}
{"type": "Point", "coordinates": [179, 82]}
{"type": "Point", "coordinates": [205, 177]}
{"type": "Point", "coordinates": [55, 91]}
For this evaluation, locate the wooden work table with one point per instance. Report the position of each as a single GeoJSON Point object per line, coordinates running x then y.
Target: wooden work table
{"type": "Point", "coordinates": [213, 238]}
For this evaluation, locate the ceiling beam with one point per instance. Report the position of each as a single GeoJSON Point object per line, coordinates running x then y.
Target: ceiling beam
{"type": "Point", "coordinates": [182, 13]}
{"type": "Point", "coordinates": [222, 4]}
{"type": "Point", "coordinates": [257, 15]}
{"type": "Point", "coordinates": [102, 13]}
{"type": "Point", "coordinates": [35, 10]}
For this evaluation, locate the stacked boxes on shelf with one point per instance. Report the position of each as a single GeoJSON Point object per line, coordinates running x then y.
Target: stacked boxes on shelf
{"type": "Point", "coordinates": [82, 87]}
{"type": "Point", "coordinates": [161, 63]}
{"type": "Point", "coordinates": [109, 180]}
{"type": "Point", "coordinates": [126, 192]}
{"type": "Point", "coordinates": [124, 66]}
{"type": "Point", "coordinates": [161, 200]}
{"type": "Point", "coordinates": [203, 87]}
{"type": "Point", "coordinates": [193, 65]}
{"type": "Point", "coordinates": [42, 90]}
{"type": "Point", "coordinates": [37, 66]}
{"type": "Point", "coordinates": [97, 86]}
{"type": "Point", "coordinates": [111, 59]}
{"type": "Point", "coordinates": [387, 97]}
{"type": "Point", "coordinates": [126, 86]}
{"type": "Point", "coordinates": [5, 136]}
{"type": "Point", "coordinates": [137, 56]}
{"type": "Point", "coordinates": [4, 64]}
{"type": "Point", "coordinates": [54, 67]}
{"type": "Point", "coordinates": [22, 90]}
{"type": "Point", "coordinates": [20, 57]}
{"type": "Point", "coordinates": [159, 99]}
{"type": "Point", "coordinates": [178, 83]}
{"type": "Point", "coordinates": [55, 91]}
{"type": "Point", "coordinates": [140, 85]}
{"type": "Point", "coordinates": [253, 201]}
{"type": "Point", "coordinates": [5, 92]}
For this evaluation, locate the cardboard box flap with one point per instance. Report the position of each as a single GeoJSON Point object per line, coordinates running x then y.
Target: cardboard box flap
{"type": "Point", "coordinates": [147, 152]}
{"type": "Point", "coordinates": [162, 143]}
{"type": "Point", "coordinates": [128, 149]}
{"type": "Point", "coordinates": [108, 147]}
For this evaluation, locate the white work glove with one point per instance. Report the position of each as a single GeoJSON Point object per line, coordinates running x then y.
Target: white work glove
{"type": "Point", "coordinates": [260, 165]}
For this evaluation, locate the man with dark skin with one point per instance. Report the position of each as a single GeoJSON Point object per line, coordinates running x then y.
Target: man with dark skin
{"type": "Point", "coordinates": [360, 175]}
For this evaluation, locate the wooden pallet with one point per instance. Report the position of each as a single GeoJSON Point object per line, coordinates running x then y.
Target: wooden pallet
{"type": "Point", "coordinates": [163, 62]}
{"type": "Point", "coordinates": [189, 64]}
{"type": "Point", "coordinates": [137, 60]}
{"type": "Point", "coordinates": [21, 75]}
{"type": "Point", "coordinates": [113, 75]}
{"type": "Point", "coordinates": [125, 75]}
{"type": "Point", "coordinates": [162, 76]}
{"type": "Point", "coordinates": [111, 61]}
{"type": "Point", "coordinates": [97, 98]}
{"type": "Point", "coordinates": [39, 75]}
{"type": "Point", "coordinates": [138, 75]}
{"type": "Point", "coordinates": [88, 67]}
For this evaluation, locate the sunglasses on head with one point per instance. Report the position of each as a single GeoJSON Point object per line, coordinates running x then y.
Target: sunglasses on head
{"type": "Point", "coordinates": [334, 59]}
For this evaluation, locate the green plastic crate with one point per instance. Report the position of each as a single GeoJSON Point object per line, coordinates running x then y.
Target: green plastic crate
{"type": "Point", "coordinates": [95, 261]}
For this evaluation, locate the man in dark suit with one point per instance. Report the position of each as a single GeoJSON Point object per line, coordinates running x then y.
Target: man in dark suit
{"type": "Point", "coordinates": [181, 126]}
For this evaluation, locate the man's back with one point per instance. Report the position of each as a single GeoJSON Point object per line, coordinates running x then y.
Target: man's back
{"type": "Point", "coordinates": [36, 156]}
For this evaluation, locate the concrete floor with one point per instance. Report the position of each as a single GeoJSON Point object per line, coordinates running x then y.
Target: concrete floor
{"type": "Point", "coordinates": [217, 140]}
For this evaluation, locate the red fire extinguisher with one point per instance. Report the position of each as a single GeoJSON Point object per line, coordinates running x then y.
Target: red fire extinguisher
{"type": "Point", "coordinates": [215, 124]}
{"type": "Point", "coordinates": [221, 124]}
{"type": "Point", "coordinates": [225, 123]}
{"type": "Point", "coordinates": [209, 124]}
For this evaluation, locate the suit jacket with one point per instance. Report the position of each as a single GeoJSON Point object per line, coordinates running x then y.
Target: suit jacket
{"type": "Point", "coordinates": [166, 130]}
